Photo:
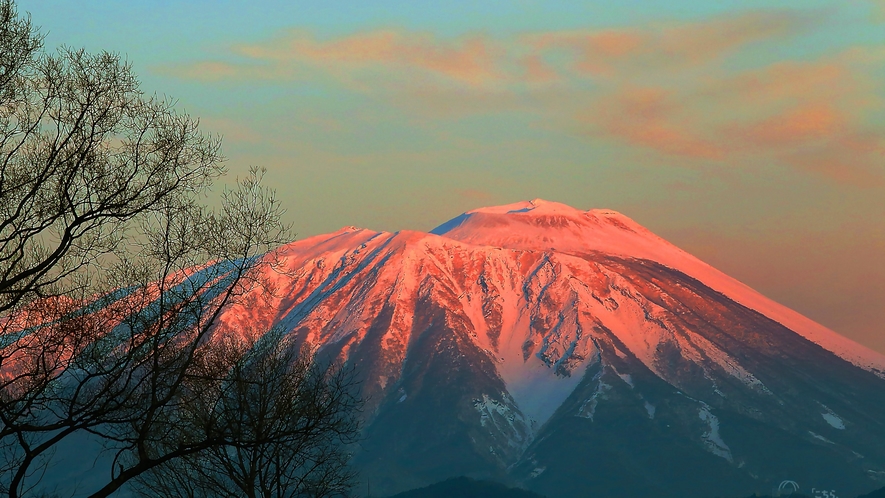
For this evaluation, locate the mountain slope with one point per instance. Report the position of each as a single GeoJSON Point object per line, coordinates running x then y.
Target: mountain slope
{"type": "Point", "coordinates": [544, 225]}
{"type": "Point", "coordinates": [577, 353]}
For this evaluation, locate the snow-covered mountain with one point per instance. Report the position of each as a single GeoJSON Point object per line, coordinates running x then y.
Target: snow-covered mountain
{"type": "Point", "coordinates": [578, 354]}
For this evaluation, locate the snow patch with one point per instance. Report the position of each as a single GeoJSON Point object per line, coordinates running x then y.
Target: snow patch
{"type": "Point", "coordinates": [625, 377]}
{"type": "Point", "coordinates": [833, 420]}
{"type": "Point", "coordinates": [504, 418]}
{"type": "Point", "coordinates": [818, 436]}
{"type": "Point", "coordinates": [588, 407]}
{"type": "Point", "coordinates": [650, 408]}
{"type": "Point", "coordinates": [712, 440]}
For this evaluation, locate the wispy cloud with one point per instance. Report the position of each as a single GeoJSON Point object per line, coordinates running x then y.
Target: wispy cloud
{"type": "Point", "coordinates": [650, 117]}
{"type": "Point", "coordinates": [667, 46]}
{"type": "Point", "coordinates": [697, 90]}
{"type": "Point", "coordinates": [204, 71]}
{"type": "Point", "coordinates": [470, 60]}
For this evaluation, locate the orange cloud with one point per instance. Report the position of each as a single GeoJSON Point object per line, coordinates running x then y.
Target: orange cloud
{"type": "Point", "coordinates": [612, 52]}
{"type": "Point", "coordinates": [703, 41]}
{"type": "Point", "coordinates": [671, 88]}
{"type": "Point", "coordinates": [788, 83]}
{"type": "Point", "coordinates": [811, 116]}
{"type": "Point", "coordinates": [815, 121]}
{"type": "Point", "coordinates": [649, 117]}
{"type": "Point", "coordinates": [470, 60]}
{"type": "Point", "coordinates": [206, 71]}
{"type": "Point", "coordinates": [595, 51]}
{"type": "Point", "coordinates": [538, 71]}
{"type": "Point", "coordinates": [479, 60]}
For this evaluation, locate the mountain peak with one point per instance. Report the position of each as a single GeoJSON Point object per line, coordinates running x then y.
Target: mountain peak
{"type": "Point", "coordinates": [540, 224]}
{"type": "Point", "coordinates": [553, 227]}
{"type": "Point", "coordinates": [534, 206]}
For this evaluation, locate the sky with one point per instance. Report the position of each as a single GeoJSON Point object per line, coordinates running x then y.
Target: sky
{"type": "Point", "coordinates": [749, 133]}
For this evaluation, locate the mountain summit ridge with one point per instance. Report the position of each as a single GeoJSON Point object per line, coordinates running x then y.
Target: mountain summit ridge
{"type": "Point", "coordinates": [622, 236]}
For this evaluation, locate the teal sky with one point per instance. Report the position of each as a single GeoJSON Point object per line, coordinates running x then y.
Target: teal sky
{"type": "Point", "coordinates": [750, 133]}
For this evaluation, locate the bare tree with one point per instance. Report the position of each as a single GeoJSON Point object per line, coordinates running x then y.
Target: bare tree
{"type": "Point", "coordinates": [18, 45]}
{"type": "Point", "coordinates": [289, 418]}
{"type": "Point", "coordinates": [112, 279]}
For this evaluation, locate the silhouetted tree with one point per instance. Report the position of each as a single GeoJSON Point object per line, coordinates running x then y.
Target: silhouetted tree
{"type": "Point", "coordinates": [112, 272]}
{"type": "Point", "coordinates": [291, 420]}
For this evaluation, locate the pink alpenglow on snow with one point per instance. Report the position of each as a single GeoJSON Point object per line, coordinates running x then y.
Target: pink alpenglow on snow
{"type": "Point", "coordinates": [541, 225]}
{"type": "Point", "coordinates": [528, 283]}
